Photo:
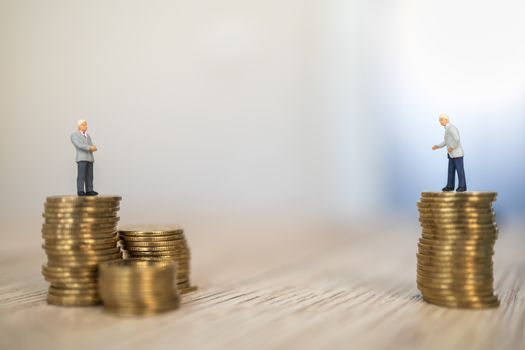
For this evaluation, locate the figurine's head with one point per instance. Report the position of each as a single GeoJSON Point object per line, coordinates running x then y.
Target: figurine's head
{"type": "Point", "coordinates": [82, 125]}
{"type": "Point", "coordinates": [443, 120]}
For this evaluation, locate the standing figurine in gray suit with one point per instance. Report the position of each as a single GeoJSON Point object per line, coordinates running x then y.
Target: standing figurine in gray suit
{"type": "Point", "coordinates": [85, 148]}
{"type": "Point", "coordinates": [455, 155]}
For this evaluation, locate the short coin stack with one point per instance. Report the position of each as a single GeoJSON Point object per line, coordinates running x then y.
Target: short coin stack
{"type": "Point", "coordinates": [134, 287]}
{"type": "Point", "coordinates": [157, 243]}
{"type": "Point", "coordinates": [78, 233]}
{"type": "Point", "coordinates": [456, 248]}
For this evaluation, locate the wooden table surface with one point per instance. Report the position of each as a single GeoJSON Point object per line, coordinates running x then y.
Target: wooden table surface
{"type": "Point", "coordinates": [270, 289]}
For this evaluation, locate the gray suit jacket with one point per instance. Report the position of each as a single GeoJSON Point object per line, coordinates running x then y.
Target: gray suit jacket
{"type": "Point", "coordinates": [452, 139]}
{"type": "Point", "coordinates": [82, 145]}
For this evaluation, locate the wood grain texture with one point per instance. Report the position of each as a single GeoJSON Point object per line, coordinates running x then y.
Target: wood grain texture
{"type": "Point", "coordinates": [269, 290]}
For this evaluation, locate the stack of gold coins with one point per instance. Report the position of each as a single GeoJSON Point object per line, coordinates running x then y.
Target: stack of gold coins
{"type": "Point", "coordinates": [157, 242]}
{"type": "Point", "coordinates": [134, 287]}
{"type": "Point", "coordinates": [78, 233]}
{"type": "Point", "coordinates": [454, 260]}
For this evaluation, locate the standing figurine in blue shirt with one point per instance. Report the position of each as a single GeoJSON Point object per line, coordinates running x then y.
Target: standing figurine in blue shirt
{"type": "Point", "coordinates": [455, 155]}
{"type": "Point", "coordinates": [85, 149]}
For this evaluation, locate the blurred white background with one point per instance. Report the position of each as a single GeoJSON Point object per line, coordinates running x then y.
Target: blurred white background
{"type": "Point", "coordinates": [213, 112]}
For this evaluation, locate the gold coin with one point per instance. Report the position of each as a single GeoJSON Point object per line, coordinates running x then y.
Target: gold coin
{"type": "Point", "coordinates": [83, 199]}
{"type": "Point", "coordinates": [87, 220]}
{"type": "Point", "coordinates": [463, 239]}
{"type": "Point", "coordinates": [448, 213]}
{"type": "Point", "coordinates": [69, 280]}
{"type": "Point", "coordinates": [438, 222]}
{"type": "Point", "coordinates": [454, 305]}
{"type": "Point", "coordinates": [136, 312]}
{"type": "Point", "coordinates": [461, 198]}
{"type": "Point", "coordinates": [76, 236]}
{"type": "Point", "coordinates": [87, 258]}
{"type": "Point", "coordinates": [79, 247]}
{"type": "Point", "coordinates": [454, 205]}
{"type": "Point", "coordinates": [455, 224]}
{"type": "Point", "coordinates": [475, 284]}
{"type": "Point", "coordinates": [150, 230]}
{"type": "Point", "coordinates": [458, 243]}
{"type": "Point", "coordinates": [456, 274]}
{"type": "Point", "coordinates": [79, 234]}
{"type": "Point", "coordinates": [175, 242]}
{"type": "Point", "coordinates": [60, 270]}
{"type": "Point", "coordinates": [454, 289]}
{"type": "Point", "coordinates": [153, 258]}
{"type": "Point", "coordinates": [467, 254]}
{"type": "Point", "coordinates": [165, 238]}
{"type": "Point", "coordinates": [457, 220]}
{"type": "Point", "coordinates": [135, 265]}
{"type": "Point", "coordinates": [429, 203]}
{"type": "Point", "coordinates": [63, 253]}
{"type": "Point", "coordinates": [489, 238]}
{"type": "Point", "coordinates": [462, 224]}
{"type": "Point", "coordinates": [460, 295]}
{"type": "Point", "coordinates": [443, 282]}
{"type": "Point", "coordinates": [80, 209]}
{"type": "Point", "coordinates": [82, 262]}
{"type": "Point", "coordinates": [96, 241]}
{"type": "Point", "coordinates": [79, 217]}
{"type": "Point", "coordinates": [456, 262]}
{"type": "Point", "coordinates": [75, 285]}
{"type": "Point", "coordinates": [424, 256]}
{"type": "Point", "coordinates": [453, 269]}
{"type": "Point", "coordinates": [462, 300]}
{"type": "Point", "coordinates": [79, 226]}
{"type": "Point", "coordinates": [81, 206]}
{"type": "Point", "coordinates": [481, 248]}
{"type": "Point", "coordinates": [486, 298]}
{"type": "Point", "coordinates": [456, 210]}
{"type": "Point", "coordinates": [157, 255]}
{"type": "Point", "coordinates": [73, 300]}
{"type": "Point", "coordinates": [72, 292]}
{"type": "Point", "coordinates": [443, 277]}
{"type": "Point", "coordinates": [123, 294]}
{"type": "Point", "coordinates": [152, 249]}
{"type": "Point", "coordinates": [456, 293]}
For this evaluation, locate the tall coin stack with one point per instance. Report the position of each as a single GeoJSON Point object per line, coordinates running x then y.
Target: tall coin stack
{"type": "Point", "coordinates": [78, 233]}
{"type": "Point", "coordinates": [133, 287]}
{"type": "Point", "coordinates": [155, 242]}
{"type": "Point", "coordinates": [454, 260]}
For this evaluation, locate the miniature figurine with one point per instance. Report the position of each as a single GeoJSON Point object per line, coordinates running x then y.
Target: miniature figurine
{"type": "Point", "coordinates": [455, 155]}
{"type": "Point", "coordinates": [84, 158]}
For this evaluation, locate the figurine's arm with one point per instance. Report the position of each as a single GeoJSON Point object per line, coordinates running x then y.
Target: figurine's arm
{"type": "Point", "coordinates": [441, 145]}
{"type": "Point", "coordinates": [78, 144]}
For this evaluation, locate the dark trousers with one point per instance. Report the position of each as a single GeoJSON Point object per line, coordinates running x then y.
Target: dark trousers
{"type": "Point", "coordinates": [85, 176]}
{"type": "Point", "coordinates": [456, 165]}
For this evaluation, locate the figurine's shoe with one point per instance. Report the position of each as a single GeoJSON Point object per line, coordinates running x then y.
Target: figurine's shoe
{"type": "Point", "coordinates": [81, 193]}
{"type": "Point", "coordinates": [461, 189]}
{"type": "Point", "coordinates": [448, 189]}
{"type": "Point", "coordinates": [91, 193]}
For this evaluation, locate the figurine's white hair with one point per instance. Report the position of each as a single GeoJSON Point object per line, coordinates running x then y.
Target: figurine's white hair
{"type": "Point", "coordinates": [81, 121]}
{"type": "Point", "coordinates": [444, 117]}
